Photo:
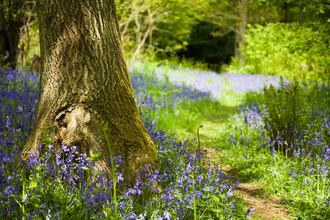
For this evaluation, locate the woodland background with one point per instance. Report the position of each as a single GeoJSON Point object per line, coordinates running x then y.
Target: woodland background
{"type": "Point", "coordinates": [289, 38]}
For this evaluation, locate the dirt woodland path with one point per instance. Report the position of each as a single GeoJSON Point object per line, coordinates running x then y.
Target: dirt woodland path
{"type": "Point", "coordinates": [266, 207]}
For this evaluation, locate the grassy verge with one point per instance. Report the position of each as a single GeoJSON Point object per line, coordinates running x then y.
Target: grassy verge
{"type": "Point", "coordinates": [295, 172]}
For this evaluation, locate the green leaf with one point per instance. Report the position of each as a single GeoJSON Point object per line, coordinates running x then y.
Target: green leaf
{"type": "Point", "coordinates": [224, 172]}
{"type": "Point", "coordinates": [33, 185]}
{"type": "Point", "coordinates": [46, 140]}
{"type": "Point", "coordinates": [97, 155]}
{"type": "Point", "coordinates": [51, 128]}
{"type": "Point", "coordinates": [215, 161]}
{"type": "Point", "coordinates": [37, 206]}
{"type": "Point", "coordinates": [103, 126]}
{"type": "Point", "coordinates": [215, 198]}
{"type": "Point", "coordinates": [200, 204]}
{"type": "Point", "coordinates": [35, 170]}
{"type": "Point", "coordinates": [98, 172]}
{"type": "Point", "coordinates": [215, 210]}
{"type": "Point", "coordinates": [46, 128]}
{"type": "Point", "coordinates": [86, 168]}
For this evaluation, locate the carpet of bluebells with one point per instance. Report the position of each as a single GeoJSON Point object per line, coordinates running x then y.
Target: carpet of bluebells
{"type": "Point", "coordinates": [213, 82]}
{"type": "Point", "coordinates": [58, 187]}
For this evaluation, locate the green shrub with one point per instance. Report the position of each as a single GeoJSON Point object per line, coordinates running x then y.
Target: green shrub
{"type": "Point", "coordinates": [289, 50]}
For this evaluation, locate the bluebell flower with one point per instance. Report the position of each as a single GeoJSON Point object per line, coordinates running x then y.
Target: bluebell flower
{"type": "Point", "coordinates": [131, 215]}
{"type": "Point", "coordinates": [248, 212]}
{"type": "Point", "coordinates": [8, 122]}
{"type": "Point", "coordinates": [142, 216]}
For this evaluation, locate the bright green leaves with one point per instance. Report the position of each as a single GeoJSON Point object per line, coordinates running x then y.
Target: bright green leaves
{"type": "Point", "coordinates": [94, 156]}
{"type": "Point", "coordinates": [103, 126]}
{"type": "Point", "coordinates": [46, 140]}
{"type": "Point", "coordinates": [290, 50]}
{"type": "Point", "coordinates": [309, 5]}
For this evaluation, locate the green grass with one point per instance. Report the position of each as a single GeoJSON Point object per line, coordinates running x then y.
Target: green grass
{"type": "Point", "coordinates": [187, 116]}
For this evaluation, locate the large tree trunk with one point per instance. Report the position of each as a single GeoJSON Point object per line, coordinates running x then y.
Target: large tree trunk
{"type": "Point", "coordinates": [84, 80]}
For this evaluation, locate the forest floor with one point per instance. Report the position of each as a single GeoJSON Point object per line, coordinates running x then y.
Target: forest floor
{"type": "Point", "coordinates": [266, 206]}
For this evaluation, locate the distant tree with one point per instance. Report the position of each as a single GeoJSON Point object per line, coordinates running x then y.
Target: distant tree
{"type": "Point", "coordinates": [157, 25]}
{"type": "Point", "coordinates": [16, 17]}
{"type": "Point", "coordinates": [84, 80]}
{"type": "Point", "coordinates": [233, 16]}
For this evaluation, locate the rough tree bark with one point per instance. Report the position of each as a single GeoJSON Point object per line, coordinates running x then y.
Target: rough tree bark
{"type": "Point", "coordinates": [84, 80]}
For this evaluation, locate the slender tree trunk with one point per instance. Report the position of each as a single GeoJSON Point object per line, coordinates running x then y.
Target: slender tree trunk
{"type": "Point", "coordinates": [13, 34]}
{"type": "Point", "coordinates": [4, 48]}
{"type": "Point", "coordinates": [239, 38]}
{"type": "Point", "coordinates": [286, 12]}
{"type": "Point", "coordinates": [4, 44]}
{"type": "Point", "coordinates": [84, 80]}
{"type": "Point", "coordinates": [302, 14]}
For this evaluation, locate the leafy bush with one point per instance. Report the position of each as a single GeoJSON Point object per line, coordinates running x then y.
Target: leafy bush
{"type": "Point", "coordinates": [289, 50]}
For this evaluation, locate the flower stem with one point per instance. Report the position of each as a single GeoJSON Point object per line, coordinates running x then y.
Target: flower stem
{"type": "Point", "coordinates": [104, 127]}
{"type": "Point", "coordinates": [199, 146]}
{"type": "Point", "coordinates": [194, 202]}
